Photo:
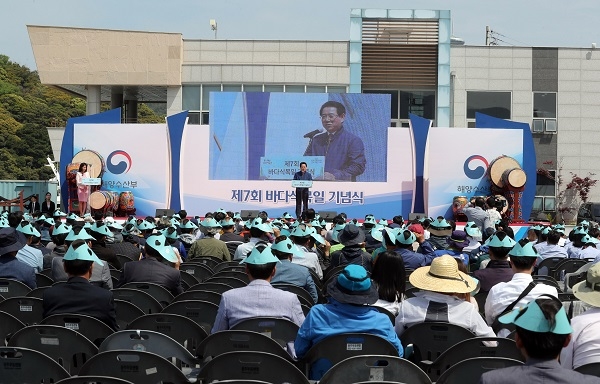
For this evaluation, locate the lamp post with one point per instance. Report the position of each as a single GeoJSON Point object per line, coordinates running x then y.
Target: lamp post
{"type": "Point", "coordinates": [213, 26]}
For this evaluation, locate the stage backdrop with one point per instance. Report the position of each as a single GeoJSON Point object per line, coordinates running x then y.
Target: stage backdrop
{"type": "Point", "coordinates": [202, 168]}
{"type": "Point", "coordinates": [139, 162]}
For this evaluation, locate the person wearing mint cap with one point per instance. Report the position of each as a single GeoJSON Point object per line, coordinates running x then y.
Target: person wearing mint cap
{"type": "Point", "coordinates": [78, 295]}
{"type": "Point", "coordinates": [29, 254]}
{"type": "Point", "coordinates": [209, 245]}
{"type": "Point", "coordinates": [160, 266]}
{"type": "Point", "coordinates": [289, 273]}
{"type": "Point", "coordinates": [542, 331]}
{"type": "Point", "coordinates": [498, 270]}
{"type": "Point", "coordinates": [523, 257]}
{"type": "Point", "coordinates": [259, 297]}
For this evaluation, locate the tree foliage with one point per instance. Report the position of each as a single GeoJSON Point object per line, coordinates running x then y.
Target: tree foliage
{"type": "Point", "coordinates": [27, 108]}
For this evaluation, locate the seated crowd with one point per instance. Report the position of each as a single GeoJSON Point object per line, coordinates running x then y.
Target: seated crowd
{"type": "Point", "coordinates": [358, 276]}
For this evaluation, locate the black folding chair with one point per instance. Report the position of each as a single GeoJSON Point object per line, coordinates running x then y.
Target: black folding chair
{"type": "Point", "coordinates": [237, 340]}
{"type": "Point", "coordinates": [95, 330]}
{"type": "Point", "coordinates": [126, 312]}
{"type": "Point", "coordinates": [202, 312]}
{"type": "Point", "coordinates": [232, 281]}
{"type": "Point", "coordinates": [181, 329]}
{"type": "Point", "coordinates": [333, 349]}
{"type": "Point", "coordinates": [160, 293]}
{"type": "Point", "coordinates": [209, 261]}
{"type": "Point", "coordinates": [42, 280]}
{"type": "Point", "coordinates": [303, 295]}
{"type": "Point", "coordinates": [375, 367]}
{"type": "Point", "coordinates": [251, 365]}
{"type": "Point", "coordinates": [24, 365]}
{"type": "Point", "coordinates": [199, 271]}
{"type": "Point", "coordinates": [281, 330]}
{"type": "Point", "coordinates": [68, 348]}
{"type": "Point", "coordinates": [219, 288]}
{"type": "Point", "coordinates": [470, 370]}
{"type": "Point", "coordinates": [229, 266]}
{"type": "Point", "coordinates": [232, 273]}
{"type": "Point", "coordinates": [13, 288]}
{"type": "Point", "coordinates": [93, 380]}
{"type": "Point", "coordinates": [29, 310]}
{"type": "Point", "coordinates": [211, 297]}
{"type": "Point", "coordinates": [143, 300]}
{"type": "Point", "coordinates": [10, 325]}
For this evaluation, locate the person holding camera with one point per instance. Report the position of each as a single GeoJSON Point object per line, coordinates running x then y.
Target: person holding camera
{"type": "Point", "coordinates": [494, 207]}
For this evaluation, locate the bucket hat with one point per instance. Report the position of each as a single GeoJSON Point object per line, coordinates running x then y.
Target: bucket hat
{"type": "Point", "coordinates": [353, 286]}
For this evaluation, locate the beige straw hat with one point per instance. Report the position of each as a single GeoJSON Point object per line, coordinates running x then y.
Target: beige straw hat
{"type": "Point", "coordinates": [442, 276]}
{"type": "Point", "coordinates": [588, 291]}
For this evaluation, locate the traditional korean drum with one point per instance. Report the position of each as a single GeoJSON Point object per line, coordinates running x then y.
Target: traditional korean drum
{"type": "Point", "coordinates": [126, 201]}
{"type": "Point", "coordinates": [94, 161]}
{"type": "Point", "coordinates": [514, 178]}
{"type": "Point", "coordinates": [498, 166]}
{"type": "Point", "coordinates": [104, 200]}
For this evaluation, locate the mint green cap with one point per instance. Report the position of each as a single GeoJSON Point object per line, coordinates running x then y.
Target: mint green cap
{"type": "Point", "coordinates": [28, 229]}
{"type": "Point", "coordinates": [526, 250]}
{"type": "Point", "coordinates": [159, 244]}
{"type": "Point", "coordinates": [494, 241]}
{"type": "Point", "coordinates": [532, 319]}
{"type": "Point", "coordinates": [260, 257]}
{"type": "Point", "coordinates": [287, 246]}
{"type": "Point", "coordinates": [83, 252]}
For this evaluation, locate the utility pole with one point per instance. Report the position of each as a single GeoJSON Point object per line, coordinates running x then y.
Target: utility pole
{"type": "Point", "coordinates": [487, 35]}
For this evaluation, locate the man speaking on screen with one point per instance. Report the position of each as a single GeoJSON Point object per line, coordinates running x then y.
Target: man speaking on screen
{"type": "Point", "coordinates": [302, 193]}
{"type": "Point", "coordinates": [344, 152]}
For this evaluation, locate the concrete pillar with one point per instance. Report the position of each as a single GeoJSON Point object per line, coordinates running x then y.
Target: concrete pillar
{"type": "Point", "coordinates": [174, 100]}
{"type": "Point", "coordinates": [116, 98]}
{"type": "Point", "coordinates": [131, 112]}
{"type": "Point", "coordinates": [93, 100]}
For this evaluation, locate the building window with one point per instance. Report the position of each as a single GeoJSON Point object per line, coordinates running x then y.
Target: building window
{"type": "Point", "coordinates": [496, 104]}
{"type": "Point", "coordinates": [545, 191]}
{"type": "Point", "coordinates": [420, 103]}
{"type": "Point", "coordinates": [544, 112]}
{"type": "Point", "coordinates": [190, 97]}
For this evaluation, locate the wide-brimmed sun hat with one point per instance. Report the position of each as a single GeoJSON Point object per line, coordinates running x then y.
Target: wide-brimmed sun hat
{"type": "Point", "coordinates": [588, 291]}
{"type": "Point", "coordinates": [351, 235]}
{"type": "Point", "coordinates": [353, 286]}
{"type": "Point", "coordinates": [442, 276]}
{"type": "Point", "coordinates": [458, 239]}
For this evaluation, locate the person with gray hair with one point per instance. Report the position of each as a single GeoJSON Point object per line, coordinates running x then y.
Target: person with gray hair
{"type": "Point", "coordinates": [208, 245]}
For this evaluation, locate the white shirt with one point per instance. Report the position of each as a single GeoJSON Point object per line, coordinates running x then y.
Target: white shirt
{"type": "Point", "coordinates": [244, 249]}
{"type": "Point", "coordinates": [584, 347]}
{"type": "Point", "coordinates": [309, 260]}
{"type": "Point", "coordinates": [503, 294]}
{"type": "Point", "coordinates": [460, 312]}
{"type": "Point", "coordinates": [392, 307]}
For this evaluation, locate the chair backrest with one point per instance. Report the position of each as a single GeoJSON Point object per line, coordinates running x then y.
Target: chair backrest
{"type": "Point", "coordinates": [24, 365]}
{"type": "Point", "coordinates": [567, 266]}
{"type": "Point", "coordinates": [333, 349]}
{"type": "Point", "coordinates": [316, 279]}
{"type": "Point", "coordinates": [160, 293]}
{"type": "Point", "coordinates": [573, 278]}
{"type": "Point", "coordinates": [38, 292]}
{"type": "Point", "coordinates": [68, 348]}
{"type": "Point", "coordinates": [202, 312]}
{"type": "Point", "coordinates": [115, 272]}
{"type": "Point", "coordinates": [252, 365]}
{"type": "Point", "coordinates": [13, 288]}
{"type": "Point", "coordinates": [200, 271]}
{"type": "Point", "coordinates": [229, 265]}
{"type": "Point", "coordinates": [470, 370]}
{"type": "Point", "coordinates": [548, 280]}
{"type": "Point", "coordinates": [42, 280]}
{"type": "Point", "coordinates": [138, 367]}
{"type": "Point", "coordinates": [211, 297]}
{"type": "Point", "coordinates": [302, 293]}
{"type": "Point", "coordinates": [126, 312]}
{"type": "Point", "coordinates": [209, 261]}
{"type": "Point", "coordinates": [430, 339]}
{"type": "Point", "coordinates": [149, 341]}
{"type": "Point", "coordinates": [333, 272]}
{"type": "Point", "coordinates": [93, 380]}
{"type": "Point", "coordinates": [181, 329]}
{"type": "Point", "coordinates": [213, 287]}
{"type": "Point", "coordinates": [29, 310]}
{"type": "Point", "coordinates": [236, 340]}
{"type": "Point", "coordinates": [10, 325]}
{"type": "Point", "coordinates": [592, 369]}
{"type": "Point", "coordinates": [546, 267]}
{"type": "Point", "coordinates": [232, 246]}
{"type": "Point", "coordinates": [375, 367]}
{"type": "Point", "coordinates": [232, 273]}
{"type": "Point", "coordinates": [143, 300]}
{"type": "Point", "coordinates": [187, 279]}
{"type": "Point", "coordinates": [232, 281]}
{"type": "Point", "coordinates": [278, 329]}
{"type": "Point", "coordinates": [95, 330]}
{"type": "Point", "coordinates": [124, 259]}
{"type": "Point", "coordinates": [473, 348]}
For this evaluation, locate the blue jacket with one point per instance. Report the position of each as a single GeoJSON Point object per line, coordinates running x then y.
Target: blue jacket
{"type": "Point", "coordinates": [336, 318]}
{"type": "Point", "coordinates": [414, 260]}
{"type": "Point", "coordinates": [344, 156]}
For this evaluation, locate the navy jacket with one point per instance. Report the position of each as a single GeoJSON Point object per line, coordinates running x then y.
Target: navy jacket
{"type": "Point", "coordinates": [344, 156]}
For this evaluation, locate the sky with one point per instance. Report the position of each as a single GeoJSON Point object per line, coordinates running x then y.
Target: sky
{"type": "Point", "coordinates": [520, 22]}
